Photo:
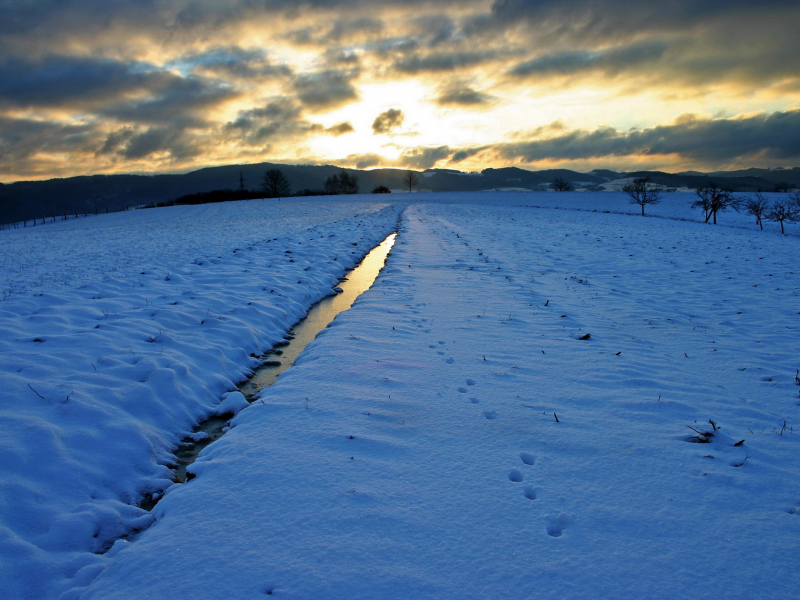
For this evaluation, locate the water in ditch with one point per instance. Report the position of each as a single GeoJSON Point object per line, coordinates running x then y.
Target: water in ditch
{"type": "Point", "coordinates": [283, 354]}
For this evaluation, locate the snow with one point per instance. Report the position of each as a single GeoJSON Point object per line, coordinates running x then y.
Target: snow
{"type": "Point", "coordinates": [459, 438]}
{"type": "Point", "coordinates": [104, 373]}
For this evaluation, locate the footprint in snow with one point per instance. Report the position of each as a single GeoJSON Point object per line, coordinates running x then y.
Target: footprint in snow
{"type": "Point", "coordinates": [462, 390]}
{"type": "Point", "coordinates": [515, 475]}
{"type": "Point", "coordinates": [556, 525]}
{"type": "Point", "coordinates": [474, 400]}
{"type": "Point", "coordinates": [450, 360]}
{"type": "Point", "coordinates": [528, 459]}
{"type": "Point", "coordinates": [530, 493]}
{"type": "Point", "coordinates": [471, 382]}
{"type": "Point", "coordinates": [490, 414]}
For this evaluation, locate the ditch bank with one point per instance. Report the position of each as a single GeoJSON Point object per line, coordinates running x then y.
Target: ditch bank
{"type": "Point", "coordinates": [275, 361]}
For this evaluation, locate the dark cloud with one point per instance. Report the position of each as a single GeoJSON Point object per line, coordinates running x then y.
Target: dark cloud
{"type": "Point", "coordinates": [443, 61]}
{"type": "Point", "coordinates": [233, 62]}
{"type": "Point", "coordinates": [436, 29]}
{"type": "Point", "coordinates": [461, 94]}
{"type": "Point", "coordinates": [411, 158]}
{"type": "Point", "coordinates": [348, 28]}
{"type": "Point", "coordinates": [462, 155]}
{"type": "Point", "coordinates": [626, 18]}
{"type": "Point", "coordinates": [687, 42]}
{"type": "Point", "coordinates": [21, 139]}
{"type": "Point", "coordinates": [65, 80]}
{"type": "Point", "coordinates": [423, 158]}
{"type": "Point", "coordinates": [340, 129]}
{"type": "Point", "coordinates": [150, 141]}
{"type": "Point", "coordinates": [326, 89]}
{"type": "Point", "coordinates": [394, 46]}
{"type": "Point", "coordinates": [709, 141]}
{"type": "Point", "coordinates": [611, 61]}
{"type": "Point", "coordinates": [387, 121]}
{"type": "Point", "coordinates": [106, 87]}
{"type": "Point", "coordinates": [280, 117]}
{"type": "Point", "coordinates": [183, 101]}
{"type": "Point", "coordinates": [362, 161]}
{"type": "Point", "coordinates": [337, 57]}
{"type": "Point", "coordinates": [115, 140]}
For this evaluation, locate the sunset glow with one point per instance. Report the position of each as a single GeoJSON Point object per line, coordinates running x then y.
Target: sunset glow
{"type": "Point", "coordinates": [174, 85]}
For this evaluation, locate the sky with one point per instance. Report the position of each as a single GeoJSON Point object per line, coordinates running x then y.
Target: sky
{"type": "Point", "coordinates": [147, 86]}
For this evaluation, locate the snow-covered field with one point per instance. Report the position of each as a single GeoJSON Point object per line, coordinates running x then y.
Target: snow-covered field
{"type": "Point", "coordinates": [451, 436]}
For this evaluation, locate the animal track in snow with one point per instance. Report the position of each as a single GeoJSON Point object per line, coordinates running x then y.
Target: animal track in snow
{"type": "Point", "coordinates": [490, 414]}
{"type": "Point", "coordinates": [557, 525]}
{"type": "Point", "coordinates": [474, 400]}
{"type": "Point", "coordinates": [515, 475]}
{"type": "Point", "coordinates": [528, 459]}
{"type": "Point", "coordinates": [462, 390]}
{"type": "Point", "coordinates": [450, 360]}
{"type": "Point", "coordinates": [470, 382]}
{"type": "Point", "coordinates": [530, 493]}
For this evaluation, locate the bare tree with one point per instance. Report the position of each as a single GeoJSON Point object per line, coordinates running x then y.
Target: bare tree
{"type": "Point", "coordinates": [275, 184]}
{"type": "Point", "coordinates": [332, 185]}
{"type": "Point", "coordinates": [795, 198]}
{"type": "Point", "coordinates": [783, 210]}
{"type": "Point", "coordinates": [757, 207]}
{"type": "Point", "coordinates": [642, 192]}
{"type": "Point", "coordinates": [343, 183]}
{"type": "Point", "coordinates": [713, 199]}
{"type": "Point", "coordinates": [410, 179]}
{"type": "Point", "coordinates": [561, 185]}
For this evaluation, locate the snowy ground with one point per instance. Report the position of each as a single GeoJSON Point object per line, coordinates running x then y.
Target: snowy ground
{"type": "Point", "coordinates": [427, 461]}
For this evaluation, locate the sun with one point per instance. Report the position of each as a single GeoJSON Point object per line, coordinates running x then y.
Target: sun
{"type": "Point", "coordinates": [420, 126]}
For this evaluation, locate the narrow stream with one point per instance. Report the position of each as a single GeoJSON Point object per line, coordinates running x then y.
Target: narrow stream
{"type": "Point", "coordinates": [281, 356]}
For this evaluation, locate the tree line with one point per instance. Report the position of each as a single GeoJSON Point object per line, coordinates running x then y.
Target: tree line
{"type": "Point", "coordinates": [714, 200]}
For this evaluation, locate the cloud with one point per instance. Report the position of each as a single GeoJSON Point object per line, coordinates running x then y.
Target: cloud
{"type": "Point", "coordinates": [233, 62]}
{"type": "Point", "coordinates": [21, 139]}
{"type": "Point", "coordinates": [710, 141]}
{"type": "Point", "coordinates": [115, 140]}
{"type": "Point", "coordinates": [462, 155]}
{"type": "Point", "coordinates": [679, 43]}
{"type": "Point", "coordinates": [461, 94]}
{"type": "Point", "coordinates": [387, 121]}
{"type": "Point", "coordinates": [443, 61]}
{"type": "Point", "coordinates": [340, 129]}
{"type": "Point", "coordinates": [626, 18]}
{"type": "Point", "coordinates": [151, 81]}
{"type": "Point", "coordinates": [362, 161]}
{"type": "Point", "coordinates": [611, 62]}
{"type": "Point", "coordinates": [183, 100]}
{"type": "Point", "coordinates": [150, 141]}
{"type": "Point", "coordinates": [423, 157]}
{"type": "Point", "coordinates": [66, 81]}
{"type": "Point", "coordinates": [350, 28]}
{"type": "Point", "coordinates": [280, 117]}
{"type": "Point", "coordinates": [411, 158]}
{"type": "Point", "coordinates": [326, 89]}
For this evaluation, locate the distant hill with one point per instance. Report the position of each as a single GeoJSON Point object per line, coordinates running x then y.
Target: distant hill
{"type": "Point", "coordinates": [789, 176]}
{"type": "Point", "coordinates": [101, 193]}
